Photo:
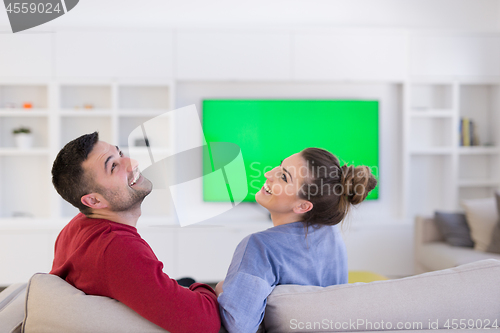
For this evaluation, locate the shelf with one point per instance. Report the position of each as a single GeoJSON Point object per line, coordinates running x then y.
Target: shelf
{"type": "Point", "coordinates": [431, 113]}
{"type": "Point", "coordinates": [98, 96]}
{"type": "Point", "coordinates": [37, 223]}
{"type": "Point", "coordinates": [480, 103]}
{"type": "Point", "coordinates": [24, 112]}
{"type": "Point", "coordinates": [15, 96]}
{"type": "Point", "coordinates": [86, 113]}
{"type": "Point", "coordinates": [25, 152]}
{"type": "Point", "coordinates": [139, 97]}
{"type": "Point", "coordinates": [145, 151]}
{"type": "Point", "coordinates": [431, 151]}
{"type": "Point", "coordinates": [142, 113]}
{"type": "Point", "coordinates": [431, 96]}
{"type": "Point", "coordinates": [429, 180]}
{"type": "Point", "coordinates": [31, 223]}
{"type": "Point", "coordinates": [478, 183]}
{"type": "Point", "coordinates": [431, 132]}
{"type": "Point", "coordinates": [461, 150]}
{"type": "Point", "coordinates": [478, 150]}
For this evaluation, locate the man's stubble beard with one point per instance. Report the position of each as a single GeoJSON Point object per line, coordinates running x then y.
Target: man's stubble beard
{"type": "Point", "coordinates": [120, 204]}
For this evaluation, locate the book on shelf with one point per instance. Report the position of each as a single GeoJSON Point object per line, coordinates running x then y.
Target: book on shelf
{"type": "Point", "coordinates": [468, 133]}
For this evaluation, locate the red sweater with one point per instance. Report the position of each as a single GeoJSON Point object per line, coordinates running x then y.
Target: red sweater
{"type": "Point", "coordinates": [105, 258]}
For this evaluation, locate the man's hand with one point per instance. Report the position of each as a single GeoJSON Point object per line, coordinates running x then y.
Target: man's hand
{"type": "Point", "coordinates": [218, 288]}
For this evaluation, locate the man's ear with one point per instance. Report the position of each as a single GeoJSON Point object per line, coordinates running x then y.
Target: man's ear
{"type": "Point", "coordinates": [94, 201]}
{"type": "Point", "coordinates": [303, 207]}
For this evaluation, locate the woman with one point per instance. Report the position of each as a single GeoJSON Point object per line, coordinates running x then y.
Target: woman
{"type": "Point", "coordinates": [307, 195]}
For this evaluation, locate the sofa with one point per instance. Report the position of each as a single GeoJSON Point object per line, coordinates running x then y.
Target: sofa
{"type": "Point", "coordinates": [432, 253]}
{"type": "Point", "coordinates": [461, 297]}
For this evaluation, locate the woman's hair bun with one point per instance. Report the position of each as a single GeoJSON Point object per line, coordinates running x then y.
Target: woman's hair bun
{"type": "Point", "coordinates": [357, 182]}
{"type": "Point", "coordinates": [332, 189]}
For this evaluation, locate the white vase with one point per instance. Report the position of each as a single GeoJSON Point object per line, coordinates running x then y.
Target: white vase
{"type": "Point", "coordinates": [24, 140]}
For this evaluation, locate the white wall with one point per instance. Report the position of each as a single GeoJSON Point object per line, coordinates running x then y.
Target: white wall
{"type": "Point", "coordinates": [455, 54]}
{"type": "Point", "coordinates": [435, 14]}
{"type": "Point", "coordinates": [294, 41]}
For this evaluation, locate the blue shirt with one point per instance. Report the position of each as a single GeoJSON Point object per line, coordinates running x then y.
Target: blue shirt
{"type": "Point", "coordinates": [279, 255]}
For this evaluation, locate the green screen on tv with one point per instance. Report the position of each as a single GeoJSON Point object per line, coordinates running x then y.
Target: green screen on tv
{"type": "Point", "coordinates": [268, 131]}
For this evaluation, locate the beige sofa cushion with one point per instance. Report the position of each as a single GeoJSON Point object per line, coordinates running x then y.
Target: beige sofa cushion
{"type": "Point", "coordinates": [12, 308]}
{"type": "Point", "coordinates": [466, 292]}
{"type": "Point", "coordinates": [494, 246]}
{"type": "Point", "coordinates": [482, 215]}
{"type": "Point", "coordinates": [438, 255]}
{"type": "Point", "coordinates": [53, 305]}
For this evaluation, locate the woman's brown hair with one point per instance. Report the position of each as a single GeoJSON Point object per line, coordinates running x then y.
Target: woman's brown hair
{"type": "Point", "coordinates": [332, 188]}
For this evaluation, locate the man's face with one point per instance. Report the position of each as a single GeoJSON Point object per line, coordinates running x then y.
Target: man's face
{"type": "Point", "coordinates": [116, 177]}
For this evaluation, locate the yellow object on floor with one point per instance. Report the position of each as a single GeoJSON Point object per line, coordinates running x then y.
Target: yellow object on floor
{"type": "Point", "coordinates": [364, 276]}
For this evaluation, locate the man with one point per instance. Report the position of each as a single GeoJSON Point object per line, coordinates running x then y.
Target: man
{"type": "Point", "coordinates": [100, 251]}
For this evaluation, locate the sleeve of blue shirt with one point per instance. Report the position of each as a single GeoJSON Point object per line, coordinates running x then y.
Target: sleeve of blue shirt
{"type": "Point", "coordinates": [249, 281]}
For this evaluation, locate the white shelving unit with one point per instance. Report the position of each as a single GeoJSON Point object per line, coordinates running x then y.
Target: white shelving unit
{"type": "Point", "coordinates": [60, 112]}
{"type": "Point", "coordinates": [23, 172]}
{"type": "Point", "coordinates": [478, 166]}
{"type": "Point", "coordinates": [444, 75]}
{"type": "Point", "coordinates": [439, 173]}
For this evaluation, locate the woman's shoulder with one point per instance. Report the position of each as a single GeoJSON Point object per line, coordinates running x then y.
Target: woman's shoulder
{"type": "Point", "coordinates": [273, 237]}
{"type": "Point", "coordinates": [277, 232]}
{"type": "Point", "coordinates": [261, 241]}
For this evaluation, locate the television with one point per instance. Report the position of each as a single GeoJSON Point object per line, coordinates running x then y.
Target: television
{"type": "Point", "coordinates": [267, 131]}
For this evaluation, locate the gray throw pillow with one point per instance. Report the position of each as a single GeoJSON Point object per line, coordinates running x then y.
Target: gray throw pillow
{"type": "Point", "coordinates": [494, 246]}
{"type": "Point", "coordinates": [454, 228]}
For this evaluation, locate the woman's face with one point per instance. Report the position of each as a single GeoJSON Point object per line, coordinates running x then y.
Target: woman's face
{"type": "Point", "coordinates": [280, 191]}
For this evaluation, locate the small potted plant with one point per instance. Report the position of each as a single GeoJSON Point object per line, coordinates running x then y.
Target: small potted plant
{"type": "Point", "coordinates": [23, 137]}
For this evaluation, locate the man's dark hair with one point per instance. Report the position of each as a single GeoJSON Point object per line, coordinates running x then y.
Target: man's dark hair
{"type": "Point", "coordinates": [68, 175]}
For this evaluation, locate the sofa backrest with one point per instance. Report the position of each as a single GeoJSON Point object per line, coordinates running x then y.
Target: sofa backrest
{"type": "Point", "coordinates": [12, 308]}
{"type": "Point", "coordinates": [426, 231]}
{"type": "Point", "coordinates": [469, 294]}
{"type": "Point", "coordinates": [53, 305]}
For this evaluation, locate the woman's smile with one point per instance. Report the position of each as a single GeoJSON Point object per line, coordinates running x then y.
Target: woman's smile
{"type": "Point", "coordinates": [267, 189]}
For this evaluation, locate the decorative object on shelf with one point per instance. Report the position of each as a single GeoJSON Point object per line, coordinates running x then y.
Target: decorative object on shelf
{"type": "Point", "coordinates": [468, 133]}
{"type": "Point", "coordinates": [21, 214]}
{"type": "Point", "coordinates": [138, 140]}
{"type": "Point", "coordinates": [23, 137]}
{"type": "Point", "coordinates": [27, 105]}
{"type": "Point", "coordinates": [141, 142]}
{"type": "Point", "coordinates": [86, 106]}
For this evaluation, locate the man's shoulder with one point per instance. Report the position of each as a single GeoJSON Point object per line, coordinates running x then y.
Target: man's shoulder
{"type": "Point", "coordinates": [119, 238]}
{"type": "Point", "coordinates": [85, 230]}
